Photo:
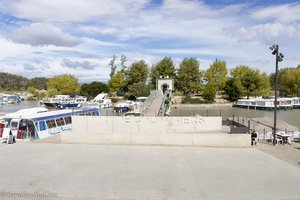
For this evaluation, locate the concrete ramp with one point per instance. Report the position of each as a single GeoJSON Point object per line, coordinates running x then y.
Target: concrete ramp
{"type": "Point", "coordinates": [154, 109]}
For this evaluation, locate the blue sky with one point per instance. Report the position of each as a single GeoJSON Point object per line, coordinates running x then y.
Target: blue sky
{"type": "Point", "coordinates": [51, 37]}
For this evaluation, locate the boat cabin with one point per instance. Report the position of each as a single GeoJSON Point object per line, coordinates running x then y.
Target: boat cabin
{"type": "Point", "coordinates": [44, 124]}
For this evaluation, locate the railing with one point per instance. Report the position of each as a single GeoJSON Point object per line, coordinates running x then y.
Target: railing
{"type": "Point", "coordinates": [165, 103]}
{"type": "Point", "coordinates": [146, 104]}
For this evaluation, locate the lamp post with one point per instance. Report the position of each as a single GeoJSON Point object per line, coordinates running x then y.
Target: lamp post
{"type": "Point", "coordinates": [279, 58]}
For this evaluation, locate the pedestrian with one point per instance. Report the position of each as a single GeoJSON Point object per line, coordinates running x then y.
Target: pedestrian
{"type": "Point", "coordinates": [253, 137]}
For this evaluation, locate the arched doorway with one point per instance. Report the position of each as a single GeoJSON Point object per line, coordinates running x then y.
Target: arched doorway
{"type": "Point", "coordinates": [164, 87]}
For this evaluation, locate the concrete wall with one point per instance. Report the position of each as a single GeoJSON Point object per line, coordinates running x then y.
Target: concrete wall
{"type": "Point", "coordinates": [175, 139]}
{"type": "Point", "coordinates": [182, 131]}
{"type": "Point", "coordinates": [145, 125]}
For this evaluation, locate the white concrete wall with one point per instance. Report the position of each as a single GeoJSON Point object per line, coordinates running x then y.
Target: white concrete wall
{"type": "Point", "coordinates": [177, 139]}
{"type": "Point", "coordinates": [182, 131]}
{"type": "Point", "coordinates": [145, 125]}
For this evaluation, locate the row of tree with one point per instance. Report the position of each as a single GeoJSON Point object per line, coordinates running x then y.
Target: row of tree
{"type": "Point", "coordinates": [137, 80]}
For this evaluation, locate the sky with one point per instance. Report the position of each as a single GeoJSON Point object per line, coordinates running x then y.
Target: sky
{"type": "Point", "coordinates": [45, 38]}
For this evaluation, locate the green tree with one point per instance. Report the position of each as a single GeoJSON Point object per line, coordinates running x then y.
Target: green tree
{"type": "Point", "coordinates": [39, 83]}
{"type": "Point", "coordinates": [113, 66]}
{"type": "Point", "coordinates": [290, 81]}
{"type": "Point", "coordinates": [138, 72]}
{"type": "Point", "coordinates": [32, 90]}
{"type": "Point", "coordinates": [249, 82]}
{"type": "Point", "coordinates": [139, 89]}
{"type": "Point", "coordinates": [188, 76]}
{"type": "Point", "coordinates": [234, 88]}
{"type": "Point", "coordinates": [164, 68]}
{"type": "Point", "coordinates": [12, 82]}
{"type": "Point", "coordinates": [209, 92]}
{"type": "Point", "coordinates": [93, 89]}
{"type": "Point", "coordinates": [64, 84]}
{"type": "Point", "coordinates": [215, 78]}
{"type": "Point", "coordinates": [123, 59]}
{"type": "Point", "coordinates": [117, 82]}
{"type": "Point", "coordinates": [216, 74]}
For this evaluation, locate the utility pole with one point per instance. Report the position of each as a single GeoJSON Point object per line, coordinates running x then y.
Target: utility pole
{"type": "Point", "coordinates": [279, 58]}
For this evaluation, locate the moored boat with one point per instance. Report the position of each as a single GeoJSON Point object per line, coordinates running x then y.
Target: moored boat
{"type": "Point", "coordinates": [124, 106]}
{"type": "Point", "coordinates": [268, 104]}
{"type": "Point", "coordinates": [101, 100]}
{"type": "Point", "coordinates": [36, 124]}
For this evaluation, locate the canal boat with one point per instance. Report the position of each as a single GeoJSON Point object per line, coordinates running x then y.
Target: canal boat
{"type": "Point", "coordinates": [101, 100]}
{"type": "Point", "coordinates": [124, 106]}
{"type": "Point", "coordinates": [268, 104]}
{"type": "Point", "coordinates": [36, 125]}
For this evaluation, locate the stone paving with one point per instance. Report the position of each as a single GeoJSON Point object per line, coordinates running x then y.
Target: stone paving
{"type": "Point", "coordinates": [288, 153]}
{"type": "Point", "coordinates": [145, 173]}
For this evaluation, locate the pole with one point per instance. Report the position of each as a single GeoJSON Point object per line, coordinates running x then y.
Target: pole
{"type": "Point", "coordinates": [275, 103]}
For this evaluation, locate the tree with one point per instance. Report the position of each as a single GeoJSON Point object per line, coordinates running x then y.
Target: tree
{"type": "Point", "coordinates": [139, 89]}
{"type": "Point", "coordinates": [189, 76]}
{"type": "Point", "coordinates": [117, 82]}
{"type": "Point", "coordinates": [63, 84]}
{"type": "Point", "coordinates": [164, 68]}
{"type": "Point", "coordinates": [138, 72]}
{"type": "Point", "coordinates": [39, 83]}
{"type": "Point", "coordinates": [234, 88]}
{"type": "Point", "coordinates": [12, 82]}
{"type": "Point", "coordinates": [215, 78]}
{"type": "Point", "coordinates": [209, 92]}
{"type": "Point", "coordinates": [93, 89]}
{"type": "Point", "coordinates": [248, 82]}
{"type": "Point", "coordinates": [217, 74]}
{"type": "Point", "coordinates": [123, 59]}
{"type": "Point", "coordinates": [290, 81]}
{"type": "Point", "coordinates": [112, 65]}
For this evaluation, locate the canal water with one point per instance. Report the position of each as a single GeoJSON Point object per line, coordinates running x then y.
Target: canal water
{"type": "Point", "coordinates": [290, 116]}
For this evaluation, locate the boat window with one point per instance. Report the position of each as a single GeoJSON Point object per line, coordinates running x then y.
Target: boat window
{"type": "Point", "coordinates": [51, 123]}
{"type": "Point", "coordinates": [68, 120]}
{"type": "Point", "coordinates": [14, 125]}
{"type": "Point", "coordinates": [42, 125]}
{"type": "Point", "coordinates": [60, 122]}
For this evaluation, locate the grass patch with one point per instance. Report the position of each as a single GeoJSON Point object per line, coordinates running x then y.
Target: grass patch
{"type": "Point", "coordinates": [190, 100]}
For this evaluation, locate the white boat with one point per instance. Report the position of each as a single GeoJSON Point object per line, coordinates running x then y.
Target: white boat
{"type": "Point", "coordinates": [3, 101]}
{"type": "Point", "coordinates": [140, 100]}
{"type": "Point", "coordinates": [71, 102]}
{"type": "Point", "coordinates": [124, 106]}
{"type": "Point", "coordinates": [269, 104]}
{"type": "Point", "coordinates": [36, 124]}
{"type": "Point", "coordinates": [101, 101]}
{"type": "Point", "coordinates": [51, 102]}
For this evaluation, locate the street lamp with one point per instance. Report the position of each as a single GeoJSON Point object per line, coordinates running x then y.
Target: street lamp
{"type": "Point", "coordinates": [279, 58]}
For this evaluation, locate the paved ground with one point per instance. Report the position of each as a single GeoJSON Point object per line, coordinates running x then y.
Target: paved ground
{"type": "Point", "coordinates": [288, 153]}
{"type": "Point", "coordinates": [145, 173]}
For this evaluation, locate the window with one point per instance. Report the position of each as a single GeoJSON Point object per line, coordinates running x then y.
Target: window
{"type": "Point", "coordinates": [14, 125]}
{"type": "Point", "coordinates": [42, 125]}
{"type": "Point", "coordinates": [50, 123]}
{"type": "Point", "coordinates": [68, 120]}
{"type": "Point", "coordinates": [60, 122]}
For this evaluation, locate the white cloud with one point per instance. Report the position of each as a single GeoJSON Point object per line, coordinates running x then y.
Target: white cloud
{"type": "Point", "coordinates": [76, 64]}
{"type": "Point", "coordinates": [176, 27]}
{"type": "Point", "coordinates": [73, 10]}
{"type": "Point", "coordinates": [268, 32]}
{"type": "Point", "coordinates": [280, 13]}
{"type": "Point", "coordinates": [44, 34]}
